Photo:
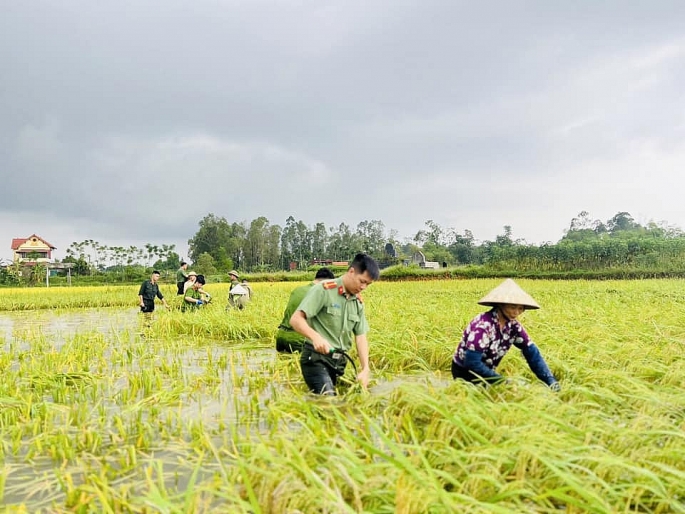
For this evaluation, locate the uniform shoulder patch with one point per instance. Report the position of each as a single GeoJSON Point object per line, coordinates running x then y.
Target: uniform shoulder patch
{"type": "Point", "coordinates": [329, 285]}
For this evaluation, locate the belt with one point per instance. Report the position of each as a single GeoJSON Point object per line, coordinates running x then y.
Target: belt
{"type": "Point", "coordinates": [333, 357]}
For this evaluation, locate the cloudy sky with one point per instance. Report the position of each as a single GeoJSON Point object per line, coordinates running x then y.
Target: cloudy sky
{"type": "Point", "coordinates": [129, 121]}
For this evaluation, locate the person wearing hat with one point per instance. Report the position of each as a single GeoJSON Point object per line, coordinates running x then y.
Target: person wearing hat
{"type": "Point", "coordinates": [190, 280]}
{"type": "Point", "coordinates": [238, 296]}
{"type": "Point", "coordinates": [192, 277]}
{"type": "Point", "coordinates": [490, 335]}
{"type": "Point", "coordinates": [287, 340]}
{"type": "Point", "coordinates": [181, 277]}
{"type": "Point", "coordinates": [234, 278]}
{"type": "Point", "coordinates": [193, 298]}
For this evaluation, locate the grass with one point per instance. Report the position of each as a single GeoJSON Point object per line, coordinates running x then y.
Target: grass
{"type": "Point", "coordinates": [201, 415]}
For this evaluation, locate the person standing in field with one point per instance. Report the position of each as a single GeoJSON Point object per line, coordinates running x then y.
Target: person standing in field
{"type": "Point", "coordinates": [181, 277]}
{"type": "Point", "coordinates": [247, 288]}
{"type": "Point", "coordinates": [331, 313]}
{"type": "Point", "coordinates": [149, 290]}
{"type": "Point", "coordinates": [490, 335]}
{"type": "Point", "coordinates": [287, 340]}
{"type": "Point", "coordinates": [234, 277]}
{"type": "Point", "coordinates": [238, 296]}
{"type": "Point", "coordinates": [193, 297]}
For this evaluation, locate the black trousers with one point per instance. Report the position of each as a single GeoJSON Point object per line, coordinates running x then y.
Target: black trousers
{"type": "Point", "coordinates": [321, 372]}
{"type": "Point", "coordinates": [148, 306]}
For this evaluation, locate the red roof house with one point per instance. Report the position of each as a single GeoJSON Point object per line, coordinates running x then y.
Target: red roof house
{"type": "Point", "coordinates": [32, 249]}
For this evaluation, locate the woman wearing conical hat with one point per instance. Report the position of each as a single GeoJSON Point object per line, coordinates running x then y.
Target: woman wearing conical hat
{"type": "Point", "coordinates": [490, 335]}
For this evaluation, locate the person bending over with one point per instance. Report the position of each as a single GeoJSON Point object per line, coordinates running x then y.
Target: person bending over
{"type": "Point", "coordinates": [490, 335]}
{"type": "Point", "coordinates": [194, 298]}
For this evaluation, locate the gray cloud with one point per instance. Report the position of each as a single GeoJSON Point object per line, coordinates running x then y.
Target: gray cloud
{"type": "Point", "coordinates": [131, 121]}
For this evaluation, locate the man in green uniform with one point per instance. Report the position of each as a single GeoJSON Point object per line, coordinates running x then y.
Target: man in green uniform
{"type": "Point", "coordinates": [147, 293]}
{"type": "Point", "coordinates": [287, 340]}
{"type": "Point", "coordinates": [329, 315]}
{"type": "Point", "coordinates": [193, 298]}
{"type": "Point", "coordinates": [181, 277]}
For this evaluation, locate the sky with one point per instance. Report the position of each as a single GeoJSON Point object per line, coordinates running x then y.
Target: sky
{"type": "Point", "coordinates": [127, 122]}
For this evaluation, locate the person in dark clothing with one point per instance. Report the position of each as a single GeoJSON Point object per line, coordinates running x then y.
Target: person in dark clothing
{"type": "Point", "coordinates": [147, 293]}
{"type": "Point", "coordinates": [181, 277]}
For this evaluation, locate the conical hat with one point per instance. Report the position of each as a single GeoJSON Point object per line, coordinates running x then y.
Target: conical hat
{"type": "Point", "coordinates": [509, 292]}
{"type": "Point", "coordinates": [238, 289]}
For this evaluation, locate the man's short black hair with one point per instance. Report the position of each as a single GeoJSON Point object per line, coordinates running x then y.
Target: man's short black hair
{"type": "Point", "coordinates": [200, 279]}
{"type": "Point", "coordinates": [156, 272]}
{"type": "Point", "coordinates": [324, 274]}
{"type": "Point", "coordinates": [183, 263]}
{"type": "Point", "coordinates": [363, 262]}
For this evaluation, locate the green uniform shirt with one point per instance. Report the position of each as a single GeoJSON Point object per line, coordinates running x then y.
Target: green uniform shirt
{"type": "Point", "coordinates": [333, 314]}
{"type": "Point", "coordinates": [181, 275]}
{"type": "Point", "coordinates": [193, 293]}
{"type": "Point", "coordinates": [296, 298]}
{"type": "Point", "coordinates": [286, 335]}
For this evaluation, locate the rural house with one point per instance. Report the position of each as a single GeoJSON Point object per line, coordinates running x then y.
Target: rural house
{"type": "Point", "coordinates": [419, 258]}
{"type": "Point", "coordinates": [32, 249]}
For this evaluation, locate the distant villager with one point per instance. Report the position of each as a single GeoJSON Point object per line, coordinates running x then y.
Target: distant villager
{"type": "Point", "coordinates": [239, 295]}
{"type": "Point", "coordinates": [181, 277]}
{"type": "Point", "coordinates": [149, 290]}
{"type": "Point", "coordinates": [190, 280]}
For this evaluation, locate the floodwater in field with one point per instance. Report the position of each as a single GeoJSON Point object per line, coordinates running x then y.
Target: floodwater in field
{"type": "Point", "coordinates": [59, 325]}
{"type": "Point", "coordinates": [147, 382]}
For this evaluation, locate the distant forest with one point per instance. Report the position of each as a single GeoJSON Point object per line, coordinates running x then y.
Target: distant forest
{"type": "Point", "coordinates": [587, 244]}
{"type": "Point", "coordinates": [260, 247]}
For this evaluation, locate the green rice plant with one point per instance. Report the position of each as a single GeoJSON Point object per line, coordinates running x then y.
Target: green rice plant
{"type": "Point", "coordinates": [201, 415]}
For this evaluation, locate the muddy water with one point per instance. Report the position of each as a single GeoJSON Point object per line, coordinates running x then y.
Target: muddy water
{"type": "Point", "coordinates": [213, 383]}
{"type": "Point", "coordinates": [60, 325]}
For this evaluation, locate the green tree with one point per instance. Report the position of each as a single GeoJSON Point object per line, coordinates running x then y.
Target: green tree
{"type": "Point", "coordinates": [463, 248]}
{"type": "Point", "coordinates": [223, 261]}
{"type": "Point", "coordinates": [169, 259]}
{"type": "Point", "coordinates": [296, 243]}
{"type": "Point", "coordinates": [259, 250]}
{"type": "Point", "coordinates": [342, 243]}
{"type": "Point", "coordinates": [214, 234]}
{"type": "Point", "coordinates": [152, 252]}
{"type": "Point", "coordinates": [319, 239]}
{"type": "Point", "coordinates": [205, 265]}
{"type": "Point", "coordinates": [370, 238]}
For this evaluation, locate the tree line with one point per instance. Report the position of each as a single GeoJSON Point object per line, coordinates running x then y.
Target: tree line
{"type": "Point", "coordinates": [259, 246]}
{"type": "Point", "coordinates": [587, 244]}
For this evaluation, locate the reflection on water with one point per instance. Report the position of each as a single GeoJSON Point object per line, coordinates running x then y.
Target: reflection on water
{"type": "Point", "coordinates": [60, 325]}
{"type": "Point", "coordinates": [185, 385]}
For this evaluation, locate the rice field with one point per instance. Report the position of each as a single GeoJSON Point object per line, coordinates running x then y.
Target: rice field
{"type": "Point", "coordinates": [102, 410]}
